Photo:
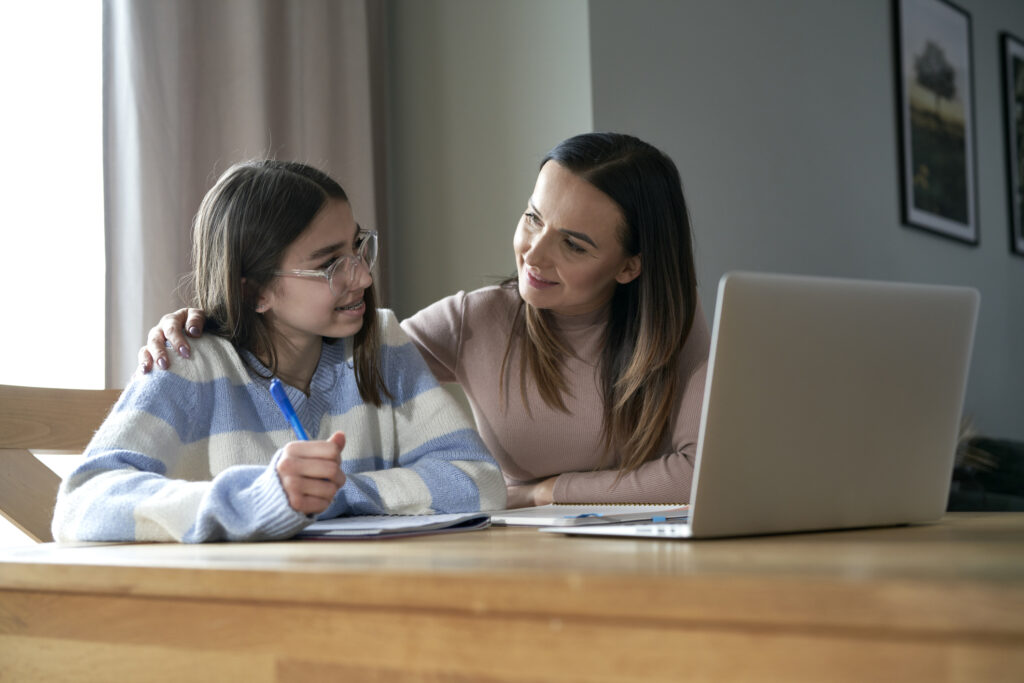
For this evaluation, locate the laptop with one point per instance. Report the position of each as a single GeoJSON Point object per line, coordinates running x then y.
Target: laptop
{"type": "Point", "coordinates": [829, 404]}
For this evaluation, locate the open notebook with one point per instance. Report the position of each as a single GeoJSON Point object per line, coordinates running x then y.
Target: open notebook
{"type": "Point", "coordinates": [829, 404]}
{"type": "Point", "coordinates": [392, 526]}
{"type": "Point", "coordinates": [585, 515]}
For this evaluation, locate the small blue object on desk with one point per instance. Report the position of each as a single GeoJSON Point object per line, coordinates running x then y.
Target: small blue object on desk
{"type": "Point", "coordinates": [281, 399]}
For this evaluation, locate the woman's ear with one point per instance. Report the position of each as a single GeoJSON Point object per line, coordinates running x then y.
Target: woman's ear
{"type": "Point", "coordinates": [630, 270]}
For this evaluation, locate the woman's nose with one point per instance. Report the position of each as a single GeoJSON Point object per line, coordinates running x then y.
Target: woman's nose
{"type": "Point", "coordinates": [539, 246]}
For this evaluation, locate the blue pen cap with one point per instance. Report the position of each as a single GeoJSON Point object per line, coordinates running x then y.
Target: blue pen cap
{"type": "Point", "coordinates": [280, 397]}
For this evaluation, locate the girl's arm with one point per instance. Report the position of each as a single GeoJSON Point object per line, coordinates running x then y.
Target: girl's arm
{"type": "Point", "coordinates": [147, 476]}
{"type": "Point", "coordinates": [436, 462]}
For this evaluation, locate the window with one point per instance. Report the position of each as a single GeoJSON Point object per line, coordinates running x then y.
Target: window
{"type": "Point", "coordinates": [53, 270]}
{"type": "Point", "coordinates": [52, 274]}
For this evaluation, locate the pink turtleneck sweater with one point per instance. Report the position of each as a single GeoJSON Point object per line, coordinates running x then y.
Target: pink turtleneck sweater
{"type": "Point", "coordinates": [463, 339]}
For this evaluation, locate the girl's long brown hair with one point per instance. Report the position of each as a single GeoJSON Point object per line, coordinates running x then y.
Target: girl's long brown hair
{"type": "Point", "coordinates": [244, 224]}
{"type": "Point", "coordinates": [649, 319]}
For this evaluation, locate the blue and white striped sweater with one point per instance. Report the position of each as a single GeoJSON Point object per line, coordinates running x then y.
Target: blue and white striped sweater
{"type": "Point", "coordinates": [189, 454]}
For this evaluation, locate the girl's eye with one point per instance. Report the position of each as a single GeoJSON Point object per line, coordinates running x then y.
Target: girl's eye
{"type": "Point", "coordinates": [329, 263]}
{"type": "Point", "coordinates": [531, 218]}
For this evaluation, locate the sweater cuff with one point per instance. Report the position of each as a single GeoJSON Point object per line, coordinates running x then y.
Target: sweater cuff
{"type": "Point", "coordinates": [274, 517]}
{"type": "Point", "coordinates": [560, 492]}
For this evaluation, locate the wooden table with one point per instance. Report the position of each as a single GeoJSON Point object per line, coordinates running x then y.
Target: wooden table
{"type": "Point", "coordinates": [943, 602]}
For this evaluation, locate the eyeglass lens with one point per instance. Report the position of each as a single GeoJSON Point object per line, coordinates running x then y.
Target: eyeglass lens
{"type": "Point", "coordinates": [346, 269]}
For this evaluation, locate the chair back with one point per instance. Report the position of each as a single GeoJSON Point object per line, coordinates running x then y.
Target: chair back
{"type": "Point", "coordinates": [36, 419]}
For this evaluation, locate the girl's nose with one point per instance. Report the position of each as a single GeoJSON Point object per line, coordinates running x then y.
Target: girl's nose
{"type": "Point", "coordinates": [364, 276]}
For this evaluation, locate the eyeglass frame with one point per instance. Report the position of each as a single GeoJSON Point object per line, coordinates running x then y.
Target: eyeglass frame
{"type": "Point", "coordinates": [356, 259]}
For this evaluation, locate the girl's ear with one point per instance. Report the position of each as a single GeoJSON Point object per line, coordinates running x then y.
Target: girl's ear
{"type": "Point", "coordinates": [263, 300]}
{"type": "Point", "coordinates": [630, 270]}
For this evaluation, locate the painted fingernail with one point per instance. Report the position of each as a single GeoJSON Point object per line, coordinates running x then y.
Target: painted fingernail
{"type": "Point", "coordinates": [183, 350]}
{"type": "Point", "coordinates": [194, 331]}
{"type": "Point", "coordinates": [162, 363]}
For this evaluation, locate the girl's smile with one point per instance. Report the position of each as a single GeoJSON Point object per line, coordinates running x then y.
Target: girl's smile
{"type": "Point", "coordinates": [354, 309]}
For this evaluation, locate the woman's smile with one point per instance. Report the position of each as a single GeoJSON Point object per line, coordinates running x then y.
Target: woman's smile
{"type": "Point", "coordinates": [537, 281]}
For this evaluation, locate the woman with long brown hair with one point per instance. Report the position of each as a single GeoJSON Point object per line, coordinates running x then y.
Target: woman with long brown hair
{"type": "Point", "coordinates": [586, 370]}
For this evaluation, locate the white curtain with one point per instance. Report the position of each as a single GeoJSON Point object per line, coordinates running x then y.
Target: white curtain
{"type": "Point", "coordinates": [192, 86]}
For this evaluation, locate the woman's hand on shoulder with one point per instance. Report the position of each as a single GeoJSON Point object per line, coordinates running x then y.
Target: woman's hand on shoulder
{"type": "Point", "coordinates": [174, 328]}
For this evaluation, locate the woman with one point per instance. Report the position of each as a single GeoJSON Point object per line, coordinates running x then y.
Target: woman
{"type": "Point", "coordinates": [586, 371]}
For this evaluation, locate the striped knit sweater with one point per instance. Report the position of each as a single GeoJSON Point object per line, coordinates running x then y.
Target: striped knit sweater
{"type": "Point", "coordinates": [189, 455]}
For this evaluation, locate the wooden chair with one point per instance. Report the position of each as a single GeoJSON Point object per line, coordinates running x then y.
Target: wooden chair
{"type": "Point", "coordinates": [42, 420]}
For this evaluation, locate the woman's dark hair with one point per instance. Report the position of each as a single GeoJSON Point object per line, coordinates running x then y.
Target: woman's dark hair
{"type": "Point", "coordinates": [650, 317]}
{"type": "Point", "coordinates": [244, 225]}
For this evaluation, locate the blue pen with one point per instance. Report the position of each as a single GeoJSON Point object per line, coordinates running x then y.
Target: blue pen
{"type": "Point", "coordinates": [281, 399]}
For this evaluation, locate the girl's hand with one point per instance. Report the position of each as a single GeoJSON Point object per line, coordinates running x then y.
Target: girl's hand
{"type": "Point", "coordinates": [310, 473]}
{"type": "Point", "coordinates": [172, 327]}
{"type": "Point", "coordinates": [530, 495]}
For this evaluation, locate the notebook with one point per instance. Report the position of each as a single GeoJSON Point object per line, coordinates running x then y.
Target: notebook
{"type": "Point", "coordinates": [829, 404]}
{"type": "Point", "coordinates": [392, 526]}
{"type": "Point", "coordinates": [558, 514]}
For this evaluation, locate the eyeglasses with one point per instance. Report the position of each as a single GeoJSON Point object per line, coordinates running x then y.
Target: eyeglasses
{"type": "Point", "coordinates": [343, 273]}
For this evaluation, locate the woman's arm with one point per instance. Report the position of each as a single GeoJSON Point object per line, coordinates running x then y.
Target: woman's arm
{"type": "Point", "coordinates": [435, 330]}
{"type": "Point", "coordinates": [663, 479]}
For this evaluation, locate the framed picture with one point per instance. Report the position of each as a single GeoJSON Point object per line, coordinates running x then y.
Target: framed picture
{"type": "Point", "coordinates": [1013, 95]}
{"type": "Point", "coordinates": [936, 112]}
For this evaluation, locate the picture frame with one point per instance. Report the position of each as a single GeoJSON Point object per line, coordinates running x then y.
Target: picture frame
{"type": "Point", "coordinates": [1013, 98]}
{"type": "Point", "coordinates": [934, 74]}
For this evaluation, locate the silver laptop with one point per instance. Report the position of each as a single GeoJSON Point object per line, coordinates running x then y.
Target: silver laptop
{"type": "Point", "coordinates": [829, 404]}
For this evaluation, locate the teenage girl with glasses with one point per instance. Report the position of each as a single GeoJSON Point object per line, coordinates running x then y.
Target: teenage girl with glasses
{"type": "Point", "coordinates": [202, 453]}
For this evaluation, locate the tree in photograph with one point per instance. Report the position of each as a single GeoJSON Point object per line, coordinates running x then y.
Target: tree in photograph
{"type": "Point", "coordinates": [935, 74]}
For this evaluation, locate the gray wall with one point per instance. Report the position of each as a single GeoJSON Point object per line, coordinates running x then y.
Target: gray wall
{"type": "Point", "coordinates": [780, 116]}
{"type": "Point", "coordinates": [481, 89]}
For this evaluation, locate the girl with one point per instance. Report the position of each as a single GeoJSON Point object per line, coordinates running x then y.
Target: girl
{"type": "Point", "coordinates": [586, 371]}
{"type": "Point", "coordinates": [282, 274]}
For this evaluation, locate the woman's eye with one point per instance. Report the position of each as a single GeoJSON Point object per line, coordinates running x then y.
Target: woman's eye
{"type": "Point", "coordinates": [329, 263]}
{"type": "Point", "coordinates": [573, 247]}
{"type": "Point", "coordinates": [531, 218]}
